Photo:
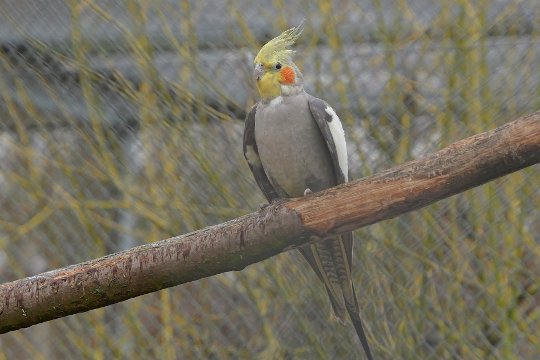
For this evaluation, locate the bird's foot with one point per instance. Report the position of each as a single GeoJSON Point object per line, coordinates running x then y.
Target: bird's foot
{"type": "Point", "coordinates": [308, 192]}
{"type": "Point", "coordinates": [270, 202]}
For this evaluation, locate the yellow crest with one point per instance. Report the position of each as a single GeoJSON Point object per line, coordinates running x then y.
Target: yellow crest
{"type": "Point", "coordinates": [277, 49]}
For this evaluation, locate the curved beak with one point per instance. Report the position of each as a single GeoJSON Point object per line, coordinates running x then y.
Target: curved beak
{"type": "Point", "coordinates": [258, 72]}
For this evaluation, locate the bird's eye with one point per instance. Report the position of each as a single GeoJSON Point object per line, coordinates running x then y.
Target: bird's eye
{"type": "Point", "coordinates": [278, 66]}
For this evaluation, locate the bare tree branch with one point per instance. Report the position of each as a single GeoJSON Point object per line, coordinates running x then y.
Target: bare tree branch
{"type": "Point", "coordinates": [240, 242]}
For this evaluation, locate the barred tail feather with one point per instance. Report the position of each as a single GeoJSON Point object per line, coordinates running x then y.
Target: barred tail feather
{"type": "Point", "coordinates": [342, 255]}
{"type": "Point", "coordinates": [331, 260]}
{"type": "Point", "coordinates": [319, 256]}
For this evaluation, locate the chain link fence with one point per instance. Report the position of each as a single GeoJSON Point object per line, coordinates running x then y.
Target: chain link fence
{"type": "Point", "coordinates": [121, 123]}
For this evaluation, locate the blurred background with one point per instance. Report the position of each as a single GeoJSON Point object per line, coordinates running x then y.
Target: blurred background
{"type": "Point", "coordinates": [121, 124]}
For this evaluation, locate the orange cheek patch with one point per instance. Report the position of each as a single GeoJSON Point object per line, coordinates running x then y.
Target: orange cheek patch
{"type": "Point", "coordinates": [287, 75]}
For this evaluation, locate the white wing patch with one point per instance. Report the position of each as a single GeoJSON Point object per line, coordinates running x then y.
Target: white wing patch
{"type": "Point", "coordinates": [336, 129]}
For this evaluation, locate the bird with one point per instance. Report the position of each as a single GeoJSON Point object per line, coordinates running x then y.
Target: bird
{"type": "Point", "coordinates": [294, 144]}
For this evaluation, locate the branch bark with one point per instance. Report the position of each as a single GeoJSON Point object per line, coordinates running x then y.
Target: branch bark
{"type": "Point", "coordinates": [246, 240]}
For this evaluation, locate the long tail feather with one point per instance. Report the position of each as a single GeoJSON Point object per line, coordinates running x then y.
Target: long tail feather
{"type": "Point", "coordinates": [357, 323]}
{"type": "Point", "coordinates": [319, 257]}
{"type": "Point", "coordinates": [342, 255]}
{"type": "Point", "coordinates": [331, 260]}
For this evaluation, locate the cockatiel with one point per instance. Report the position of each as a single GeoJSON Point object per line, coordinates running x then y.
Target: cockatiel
{"type": "Point", "coordinates": [294, 144]}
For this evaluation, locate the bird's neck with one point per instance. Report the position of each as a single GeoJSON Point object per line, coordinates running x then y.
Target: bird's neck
{"type": "Point", "coordinates": [286, 91]}
{"type": "Point", "coordinates": [291, 90]}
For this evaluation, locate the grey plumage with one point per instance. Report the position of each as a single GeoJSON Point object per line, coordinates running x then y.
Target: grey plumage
{"type": "Point", "coordinates": [302, 160]}
{"type": "Point", "coordinates": [290, 145]}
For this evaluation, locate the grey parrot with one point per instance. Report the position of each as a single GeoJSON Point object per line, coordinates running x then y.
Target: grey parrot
{"type": "Point", "coordinates": [294, 144]}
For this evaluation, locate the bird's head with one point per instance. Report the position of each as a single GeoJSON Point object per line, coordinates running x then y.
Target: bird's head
{"type": "Point", "coordinates": [275, 73]}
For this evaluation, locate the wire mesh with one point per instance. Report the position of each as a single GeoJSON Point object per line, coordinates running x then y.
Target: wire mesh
{"type": "Point", "coordinates": [121, 124]}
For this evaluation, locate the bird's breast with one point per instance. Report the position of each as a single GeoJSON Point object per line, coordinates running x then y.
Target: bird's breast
{"type": "Point", "coordinates": [291, 147]}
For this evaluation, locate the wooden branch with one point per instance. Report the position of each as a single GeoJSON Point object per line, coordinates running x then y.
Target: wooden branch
{"type": "Point", "coordinates": [235, 244]}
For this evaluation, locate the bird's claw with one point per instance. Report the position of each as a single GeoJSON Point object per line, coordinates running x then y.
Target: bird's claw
{"type": "Point", "coordinates": [271, 202]}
